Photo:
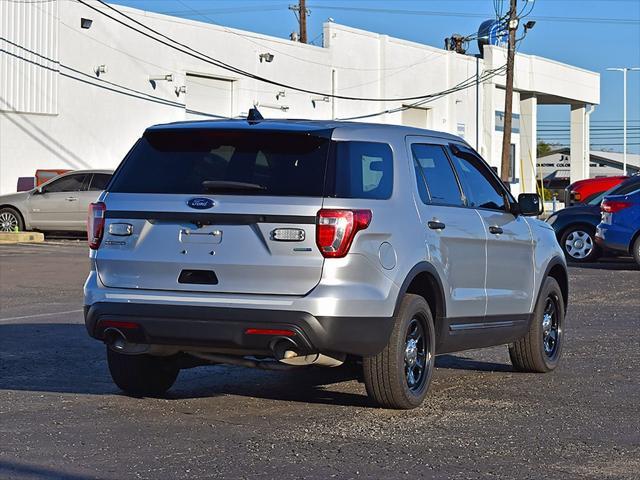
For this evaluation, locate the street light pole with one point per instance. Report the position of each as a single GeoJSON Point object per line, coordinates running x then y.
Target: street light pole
{"type": "Point", "coordinates": [624, 71]}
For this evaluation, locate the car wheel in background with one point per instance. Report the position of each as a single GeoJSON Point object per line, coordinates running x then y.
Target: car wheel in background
{"type": "Point", "coordinates": [578, 244]}
{"type": "Point", "coordinates": [540, 349]}
{"type": "Point", "coordinates": [636, 250]}
{"type": "Point", "coordinates": [399, 376]}
{"type": "Point", "coordinates": [10, 219]}
{"type": "Point", "coordinates": [140, 375]}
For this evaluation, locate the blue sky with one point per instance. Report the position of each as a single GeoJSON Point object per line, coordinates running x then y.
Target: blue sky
{"type": "Point", "coordinates": [560, 34]}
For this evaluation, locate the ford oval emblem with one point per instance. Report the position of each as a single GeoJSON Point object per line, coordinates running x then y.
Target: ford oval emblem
{"type": "Point", "coordinates": [200, 203]}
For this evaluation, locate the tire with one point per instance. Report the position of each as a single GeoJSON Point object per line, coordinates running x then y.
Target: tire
{"type": "Point", "coordinates": [409, 355]}
{"type": "Point", "coordinates": [636, 250]}
{"type": "Point", "coordinates": [142, 375]}
{"type": "Point", "coordinates": [10, 218]}
{"type": "Point", "coordinates": [578, 244]}
{"type": "Point", "coordinates": [541, 348]}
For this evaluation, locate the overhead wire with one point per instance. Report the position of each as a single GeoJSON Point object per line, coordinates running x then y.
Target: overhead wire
{"type": "Point", "coordinates": [187, 50]}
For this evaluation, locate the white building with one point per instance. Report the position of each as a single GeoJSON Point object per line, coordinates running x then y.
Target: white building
{"type": "Point", "coordinates": [74, 97]}
{"type": "Point", "coordinates": [557, 164]}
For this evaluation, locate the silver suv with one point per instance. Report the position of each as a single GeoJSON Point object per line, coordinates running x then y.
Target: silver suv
{"type": "Point", "coordinates": [279, 244]}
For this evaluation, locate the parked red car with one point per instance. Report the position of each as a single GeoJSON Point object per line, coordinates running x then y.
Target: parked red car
{"type": "Point", "coordinates": [584, 190]}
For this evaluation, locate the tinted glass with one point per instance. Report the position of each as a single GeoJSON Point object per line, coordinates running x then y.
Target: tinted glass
{"type": "Point", "coordinates": [70, 183]}
{"type": "Point", "coordinates": [478, 183]}
{"type": "Point", "coordinates": [628, 186]}
{"type": "Point", "coordinates": [436, 180]}
{"type": "Point", "coordinates": [99, 181]}
{"type": "Point", "coordinates": [364, 170]}
{"type": "Point", "coordinates": [179, 161]}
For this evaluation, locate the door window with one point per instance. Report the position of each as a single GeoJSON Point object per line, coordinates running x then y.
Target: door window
{"type": "Point", "coordinates": [69, 183]}
{"type": "Point", "coordinates": [478, 182]}
{"type": "Point", "coordinates": [437, 183]}
{"type": "Point", "coordinates": [99, 182]}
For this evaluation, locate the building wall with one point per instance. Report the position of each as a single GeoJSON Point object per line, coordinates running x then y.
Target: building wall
{"type": "Point", "coordinates": [84, 119]}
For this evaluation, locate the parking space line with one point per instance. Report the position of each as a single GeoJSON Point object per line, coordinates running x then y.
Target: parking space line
{"type": "Point", "coordinates": [10, 319]}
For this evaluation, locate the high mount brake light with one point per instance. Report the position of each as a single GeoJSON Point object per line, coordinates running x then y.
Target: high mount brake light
{"type": "Point", "coordinates": [613, 206]}
{"type": "Point", "coordinates": [95, 224]}
{"type": "Point", "coordinates": [335, 230]}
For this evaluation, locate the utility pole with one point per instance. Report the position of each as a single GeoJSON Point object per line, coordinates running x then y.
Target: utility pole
{"type": "Point", "coordinates": [508, 97]}
{"type": "Point", "coordinates": [302, 5]}
{"type": "Point", "coordinates": [301, 13]}
{"type": "Point", "coordinates": [624, 71]}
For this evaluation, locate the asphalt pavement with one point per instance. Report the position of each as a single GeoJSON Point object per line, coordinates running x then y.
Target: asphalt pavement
{"type": "Point", "coordinates": [62, 418]}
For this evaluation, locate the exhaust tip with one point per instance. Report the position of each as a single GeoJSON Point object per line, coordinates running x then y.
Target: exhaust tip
{"type": "Point", "coordinates": [284, 348]}
{"type": "Point", "coordinates": [115, 339]}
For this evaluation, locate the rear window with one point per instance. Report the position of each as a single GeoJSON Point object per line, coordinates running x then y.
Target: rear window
{"type": "Point", "coordinates": [255, 163]}
{"type": "Point", "coordinates": [182, 161]}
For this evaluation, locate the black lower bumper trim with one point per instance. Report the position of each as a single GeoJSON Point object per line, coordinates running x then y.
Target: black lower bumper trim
{"type": "Point", "coordinates": [224, 328]}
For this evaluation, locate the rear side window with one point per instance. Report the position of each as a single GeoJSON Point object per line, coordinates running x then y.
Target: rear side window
{"type": "Point", "coordinates": [197, 161]}
{"type": "Point", "coordinates": [99, 182]}
{"type": "Point", "coordinates": [437, 182]}
{"type": "Point", "coordinates": [362, 170]}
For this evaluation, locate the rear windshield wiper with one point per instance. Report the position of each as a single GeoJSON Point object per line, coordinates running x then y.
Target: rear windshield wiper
{"type": "Point", "coordinates": [224, 185]}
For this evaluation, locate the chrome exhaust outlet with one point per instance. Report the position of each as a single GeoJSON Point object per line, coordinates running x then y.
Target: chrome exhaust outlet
{"type": "Point", "coordinates": [286, 351]}
{"type": "Point", "coordinates": [115, 339]}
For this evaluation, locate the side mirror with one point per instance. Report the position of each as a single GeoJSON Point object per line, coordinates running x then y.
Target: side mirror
{"type": "Point", "coordinates": [529, 204]}
{"type": "Point", "coordinates": [38, 190]}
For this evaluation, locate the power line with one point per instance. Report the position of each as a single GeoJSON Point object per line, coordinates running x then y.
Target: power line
{"type": "Point", "coordinates": [392, 11]}
{"type": "Point", "coordinates": [214, 61]}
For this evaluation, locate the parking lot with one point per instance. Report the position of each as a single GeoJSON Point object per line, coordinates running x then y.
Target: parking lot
{"type": "Point", "coordinates": [61, 416]}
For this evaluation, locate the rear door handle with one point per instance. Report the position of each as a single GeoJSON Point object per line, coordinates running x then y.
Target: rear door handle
{"type": "Point", "coordinates": [435, 225]}
{"type": "Point", "coordinates": [71, 199]}
{"type": "Point", "coordinates": [496, 230]}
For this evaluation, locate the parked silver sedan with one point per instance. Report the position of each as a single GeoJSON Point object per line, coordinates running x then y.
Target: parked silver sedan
{"type": "Point", "coordinates": [61, 204]}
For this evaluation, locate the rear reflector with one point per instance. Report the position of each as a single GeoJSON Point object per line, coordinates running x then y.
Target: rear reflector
{"type": "Point", "coordinates": [269, 331]}
{"type": "Point", "coordinates": [613, 206]}
{"type": "Point", "coordinates": [95, 224]}
{"type": "Point", "coordinates": [118, 324]}
{"type": "Point", "coordinates": [336, 229]}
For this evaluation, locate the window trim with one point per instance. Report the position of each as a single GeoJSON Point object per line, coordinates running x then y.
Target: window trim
{"type": "Point", "coordinates": [496, 184]}
{"type": "Point", "coordinates": [463, 196]}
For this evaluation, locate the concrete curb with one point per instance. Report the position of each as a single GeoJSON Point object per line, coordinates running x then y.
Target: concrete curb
{"type": "Point", "coordinates": [21, 237]}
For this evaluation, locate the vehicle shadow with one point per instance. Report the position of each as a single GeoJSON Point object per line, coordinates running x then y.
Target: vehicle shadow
{"type": "Point", "coordinates": [9, 469]}
{"type": "Point", "coordinates": [61, 358]}
{"type": "Point", "coordinates": [614, 264]}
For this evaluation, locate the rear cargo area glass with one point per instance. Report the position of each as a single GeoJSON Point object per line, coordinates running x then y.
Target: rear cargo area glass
{"type": "Point", "coordinates": [180, 161]}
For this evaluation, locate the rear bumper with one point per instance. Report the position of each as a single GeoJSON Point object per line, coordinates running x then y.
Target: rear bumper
{"type": "Point", "coordinates": [612, 238]}
{"type": "Point", "coordinates": [224, 329]}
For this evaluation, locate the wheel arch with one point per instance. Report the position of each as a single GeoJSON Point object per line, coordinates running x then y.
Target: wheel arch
{"type": "Point", "coordinates": [423, 279]}
{"type": "Point", "coordinates": [633, 241]}
{"type": "Point", "coordinates": [557, 270]}
{"type": "Point", "coordinates": [580, 222]}
{"type": "Point", "coordinates": [16, 209]}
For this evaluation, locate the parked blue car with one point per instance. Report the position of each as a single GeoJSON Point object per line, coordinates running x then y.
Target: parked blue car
{"type": "Point", "coordinates": [575, 226]}
{"type": "Point", "coordinates": [619, 228]}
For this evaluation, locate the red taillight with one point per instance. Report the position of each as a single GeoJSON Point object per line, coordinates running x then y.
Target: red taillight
{"type": "Point", "coordinates": [613, 206]}
{"type": "Point", "coordinates": [335, 230]}
{"type": "Point", "coordinates": [95, 224]}
{"type": "Point", "coordinates": [269, 331]}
